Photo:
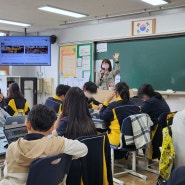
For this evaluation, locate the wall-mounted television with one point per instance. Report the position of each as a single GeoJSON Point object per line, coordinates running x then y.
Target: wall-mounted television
{"type": "Point", "coordinates": [25, 51]}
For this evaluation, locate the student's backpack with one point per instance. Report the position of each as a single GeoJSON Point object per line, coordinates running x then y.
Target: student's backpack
{"type": "Point", "coordinates": [167, 157]}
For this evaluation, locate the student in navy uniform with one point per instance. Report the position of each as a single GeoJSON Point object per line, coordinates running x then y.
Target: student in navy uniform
{"type": "Point", "coordinates": [75, 120]}
{"type": "Point", "coordinates": [115, 112]}
{"type": "Point", "coordinates": [15, 103]}
{"type": "Point", "coordinates": [177, 177]}
{"type": "Point", "coordinates": [154, 104]}
{"type": "Point", "coordinates": [90, 89]}
{"type": "Point", "coordinates": [56, 101]}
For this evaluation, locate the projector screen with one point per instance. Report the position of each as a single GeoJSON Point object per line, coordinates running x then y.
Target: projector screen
{"type": "Point", "coordinates": [25, 51]}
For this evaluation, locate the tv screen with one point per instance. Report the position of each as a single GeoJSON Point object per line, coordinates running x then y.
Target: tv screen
{"type": "Point", "coordinates": [25, 50]}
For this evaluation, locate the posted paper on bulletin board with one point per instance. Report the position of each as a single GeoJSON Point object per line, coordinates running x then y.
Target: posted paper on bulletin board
{"type": "Point", "coordinates": [84, 58]}
{"type": "Point", "coordinates": [68, 58]}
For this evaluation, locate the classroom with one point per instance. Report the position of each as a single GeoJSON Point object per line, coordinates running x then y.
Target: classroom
{"type": "Point", "coordinates": [92, 92]}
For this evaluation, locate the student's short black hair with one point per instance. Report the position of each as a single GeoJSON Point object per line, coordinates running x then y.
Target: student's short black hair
{"type": "Point", "coordinates": [62, 89]}
{"type": "Point", "coordinates": [41, 118]}
{"type": "Point", "coordinates": [90, 86]}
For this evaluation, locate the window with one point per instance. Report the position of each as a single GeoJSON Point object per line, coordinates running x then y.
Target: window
{"type": "Point", "coordinates": [2, 34]}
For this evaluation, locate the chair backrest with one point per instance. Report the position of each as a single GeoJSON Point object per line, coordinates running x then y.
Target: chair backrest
{"type": "Point", "coordinates": [49, 170]}
{"type": "Point", "coordinates": [95, 167]}
{"type": "Point", "coordinates": [131, 133]}
{"type": "Point", "coordinates": [166, 119]}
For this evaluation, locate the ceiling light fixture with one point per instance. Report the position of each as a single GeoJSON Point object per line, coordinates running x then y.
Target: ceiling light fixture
{"type": "Point", "coordinates": [14, 23]}
{"type": "Point", "coordinates": [156, 2]}
{"type": "Point", "coordinates": [61, 11]}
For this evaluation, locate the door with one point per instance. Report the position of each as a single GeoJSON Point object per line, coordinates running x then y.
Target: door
{"type": "Point", "coordinates": [29, 89]}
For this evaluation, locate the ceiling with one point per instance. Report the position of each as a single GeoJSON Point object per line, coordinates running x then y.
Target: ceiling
{"type": "Point", "coordinates": [26, 11]}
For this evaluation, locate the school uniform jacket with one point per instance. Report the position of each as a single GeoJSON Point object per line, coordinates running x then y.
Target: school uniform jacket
{"type": "Point", "coordinates": [17, 105]}
{"type": "Point", "coordinates": [24, 151]}
{"type": "Point", "coordinates": [114, 114]}
{"type": "Point", "coordinates": [54, 103]}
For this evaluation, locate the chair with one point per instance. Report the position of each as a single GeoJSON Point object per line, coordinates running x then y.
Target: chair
{"type": "Point", "coordinates": [95, 167]}
{"type": "Point", "coordinates": [164, 120]}
{"type": "Point", "coordinates": [131, 148]}
{"type": "Point", "coordinates": [49, 170]}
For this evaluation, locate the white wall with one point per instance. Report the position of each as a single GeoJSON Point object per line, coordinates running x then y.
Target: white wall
{"type": "Point", "coordinates": [169, 23]}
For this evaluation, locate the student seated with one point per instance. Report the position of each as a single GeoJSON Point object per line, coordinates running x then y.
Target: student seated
{"type": "Point", "coordinates": [56, 101]}
{"type": "Point", "coordinates": [90, 89]}
{"type": "Point", "coordinates": [178, 130]}
{"type": "Point", "coordinates": [3, 116]}
{"type": "Point", "coordinates": [115, 112]}
{"type": "Point", "coordinates": [154, 104]}
{"type": "Point", "coordinates": [36, 144]}
{"type": "Point", "coordinates": [75, 120]}
{"type": "Point", "coordinates": [15, 103]}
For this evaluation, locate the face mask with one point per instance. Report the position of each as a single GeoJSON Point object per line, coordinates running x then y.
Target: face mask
{"type": "Point", "coordinates": [88, 95]}
{"type": "Point", "coordinates": [105, 66]}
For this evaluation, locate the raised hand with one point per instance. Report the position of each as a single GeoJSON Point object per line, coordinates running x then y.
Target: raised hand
{"type": "Point", "coordinates": [116, 56]}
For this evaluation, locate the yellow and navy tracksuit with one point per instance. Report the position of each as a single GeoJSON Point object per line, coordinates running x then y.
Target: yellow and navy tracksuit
{"type": "Point", "coordinates": [92, 102]}
{"type": "Point", "coordinates": [114, 113]}
{"type": "Point", "coordinates": [16, 106]}
{"type": "Point", "coordinates": [54, 103]}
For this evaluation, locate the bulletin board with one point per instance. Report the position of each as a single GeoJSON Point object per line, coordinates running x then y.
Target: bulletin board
{"type": "Point", "coordinates": [76, 64]}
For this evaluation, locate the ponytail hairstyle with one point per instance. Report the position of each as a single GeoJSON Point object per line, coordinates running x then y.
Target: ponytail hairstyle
{"type": "Point", "coordinates": [147, 89]}
{"type": "Point", "coordinates": [123, 90]}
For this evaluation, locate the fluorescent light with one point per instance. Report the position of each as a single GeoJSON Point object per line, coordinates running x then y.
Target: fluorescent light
{"type": "Point", "coordinates": [61, 11]}
{"type": "Point", "coordinates": [14, 23]}
{"type": "Point", "coordinates": [155, 2]}
{"type": "Point", "coordinates": [2, 34]}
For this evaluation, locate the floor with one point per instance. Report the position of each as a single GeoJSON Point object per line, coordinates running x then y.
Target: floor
{"type": "Point", "coordinates": [132, 180]}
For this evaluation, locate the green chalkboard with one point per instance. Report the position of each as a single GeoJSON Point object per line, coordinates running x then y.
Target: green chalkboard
{"type": "Point", "coordinates": [159, 61]}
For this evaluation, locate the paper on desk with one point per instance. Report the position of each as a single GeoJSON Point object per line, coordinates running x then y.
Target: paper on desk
{"type": "Point", "coordinates": [101, 47]}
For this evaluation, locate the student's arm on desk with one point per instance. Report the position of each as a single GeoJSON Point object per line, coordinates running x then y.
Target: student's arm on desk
{"type": "Point", "coordinates": [75, 148]}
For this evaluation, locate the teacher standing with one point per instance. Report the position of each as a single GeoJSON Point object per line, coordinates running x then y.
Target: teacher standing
{"type": "Point", "coordinates": [107, 76]}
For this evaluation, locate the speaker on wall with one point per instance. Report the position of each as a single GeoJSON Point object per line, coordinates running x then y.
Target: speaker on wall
{"type": "Point", "coordinates": [53, 39]}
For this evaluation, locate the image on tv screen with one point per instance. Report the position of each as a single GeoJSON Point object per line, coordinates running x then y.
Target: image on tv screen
{"type": "Point", "coordinates": [25, 50]}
